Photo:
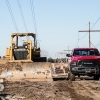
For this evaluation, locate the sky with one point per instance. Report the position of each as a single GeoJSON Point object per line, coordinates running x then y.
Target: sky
{"type": "Point", "coordinates": [55, 22]}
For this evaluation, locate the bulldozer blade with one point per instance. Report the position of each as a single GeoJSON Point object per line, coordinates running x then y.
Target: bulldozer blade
{"type": "Point", "coordinates": [59, 70]}
{"type": "Point", "coordinates": [3, 61]}
{"type": "Point", "coordinates": [33, 71]}
{"type": "Point", "coordinates": [1, 87]}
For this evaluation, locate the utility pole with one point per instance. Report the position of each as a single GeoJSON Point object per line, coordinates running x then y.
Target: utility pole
{"type": "Point", "coordinates": [89, 33]}
{"type": "Point", "coordinates": [68, 50]}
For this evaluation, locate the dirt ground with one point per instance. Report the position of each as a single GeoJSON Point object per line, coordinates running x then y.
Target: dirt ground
{"type": "Point", "coordinates": [56, 90]}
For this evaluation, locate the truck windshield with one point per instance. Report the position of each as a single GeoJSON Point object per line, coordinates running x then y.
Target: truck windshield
{"type": "Point", "coordinates": [86, 52]}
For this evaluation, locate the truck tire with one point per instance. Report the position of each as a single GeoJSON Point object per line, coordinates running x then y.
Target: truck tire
{"type": "Point", "coordinates": [96, 77]}
{"type": "Point", "coordinates": [68, 75]}
{"type": "Point", "coordinates": [71, 77]}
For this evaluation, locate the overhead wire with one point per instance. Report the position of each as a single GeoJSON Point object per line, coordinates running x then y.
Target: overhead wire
{"type": "Point", "coordinates": [90, 29]}
{"type": "Point", "coordinates": [95, 22]}
{"type": "Point", "coordinates": [92, 26]}
{"type": "Point", "coordinates": [95, 13]}
{"type": "Point", "coordinates": [12, 17]}
{"type": "Point", "coordinates": [78, 40]}
{"type": "Point", "coordinates": [5, 24]}
{"type": "Point", "coordinates": [83, 36]}
{"type": "Point", "coordinates": [11, 14]}
{"type": "Point", "coordinates": [33, 15]}
{"type": "Point", "coordinates": [21, 12]}
{"type": "Point", "coordinates": [34, 20]}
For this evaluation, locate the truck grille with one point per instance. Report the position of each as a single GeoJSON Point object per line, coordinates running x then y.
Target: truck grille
{"type": "Point", "coordinates": [87, 63]}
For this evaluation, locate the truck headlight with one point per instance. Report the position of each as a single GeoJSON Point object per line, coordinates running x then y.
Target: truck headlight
{"type": "Point", "coordinates": [73, 63]}
{"type": "Point", "coordinates": [74, 68]}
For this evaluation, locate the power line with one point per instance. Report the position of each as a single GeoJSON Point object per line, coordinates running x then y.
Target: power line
{"type": "Point", "coordinates": [95, 13]}
{"type": "Point", "coordinates": [12, 17]}
{"type": "Point", "coordinates": [83, 36]}
{"type": "Point", "coordinates": [11, 14]}
{"type": "Point", "coordinates": [95, 22]}
{"type": "Point", "coordinates": [78, 40]}
{"type": "Point", "coordinates": [5, 23]}
{"type": "Point", "coordinates": [33, 15]}
{"type": "Point", "coordinates": [91, 28]}
{"type": "Point", "coordinates": [94, 25]}
{"type": "Point", "coordinates": [21, 12]}
{"type": "Point", "coordinates": [89, 33]}
{"type": "Point", "coordinates": [34, 20]}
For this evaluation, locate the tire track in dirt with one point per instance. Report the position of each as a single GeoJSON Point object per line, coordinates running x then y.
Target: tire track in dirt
{"type": "Point", "coordinates": [68, 86]}
{"type": "Point", "coordinates": [88, 88]}
{"type": "Point", "coordinates": [57, 90]}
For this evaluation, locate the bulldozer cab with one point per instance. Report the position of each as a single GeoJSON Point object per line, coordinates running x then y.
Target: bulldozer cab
{"type": "Point", "coordinates": [27, 51]}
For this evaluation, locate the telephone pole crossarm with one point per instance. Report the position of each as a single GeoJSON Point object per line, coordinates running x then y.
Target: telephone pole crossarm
{"type": "Point", "coordinates": [89, 31]}
{"type": "Point", "coordinates": [67, 50]}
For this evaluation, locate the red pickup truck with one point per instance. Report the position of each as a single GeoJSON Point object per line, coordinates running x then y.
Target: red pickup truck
{"type": "Point", "coordinates": [84, 61]}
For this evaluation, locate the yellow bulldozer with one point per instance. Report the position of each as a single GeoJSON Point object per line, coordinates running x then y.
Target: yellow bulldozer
{"type": "Point", "coordinates": [24, 61]}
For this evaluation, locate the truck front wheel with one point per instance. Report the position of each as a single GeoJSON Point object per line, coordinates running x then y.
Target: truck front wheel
{"type": "Point", "coordinates": [71, 76]}
{"type": "Point", "coordinates": [96, 77]}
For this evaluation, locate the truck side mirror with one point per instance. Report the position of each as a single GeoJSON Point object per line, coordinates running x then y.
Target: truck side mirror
{"type": "Point", "coordinates": [68, 55]}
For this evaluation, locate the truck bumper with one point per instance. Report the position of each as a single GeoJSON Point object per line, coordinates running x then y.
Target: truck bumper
{"type": "Point", "coordinates": [85, 71]}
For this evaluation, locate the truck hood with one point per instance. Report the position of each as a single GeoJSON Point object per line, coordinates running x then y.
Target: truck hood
{"type": "Point", "coordinates": [75, 58]}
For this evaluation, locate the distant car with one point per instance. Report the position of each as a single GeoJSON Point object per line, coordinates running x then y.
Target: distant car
{"type": "Point", "coordinates": [84, 61]}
